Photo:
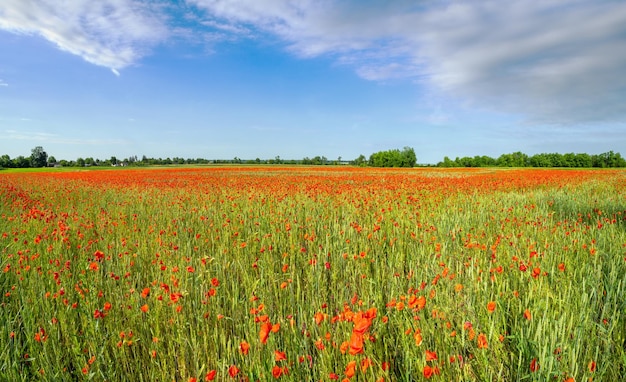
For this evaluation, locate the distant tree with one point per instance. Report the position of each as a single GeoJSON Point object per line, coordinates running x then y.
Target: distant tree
{"type": "Point", "coordinates": [516, 159]}
{"type": "Point", "coordinates": [409, 159]}
{"type": "Point", "coordinates": [21, 162]}
{"type": "Point", "coordinates": [584, 160]}
{"type": "Point", "coordinates": [317, 160]}
{"type": "Point", "coordinates": [569, 160]}
{"type": "Point", "coordinates": [52, 161]}
{"type": "Point", "coordinates": [540, 160]}
{"type": "Point", "coordinates": [361, 161]}
{"type": "Point", "coordinates": [5, 161]}
{"type": "Point", "coordinates": [487, 161]}
{"type": "Point", "coordinates": [80, 162]}
{"type": "Point", "coordinates": [619, 161]}
{"type": "Point", "coordinates": [447, 162]}
{"type": "Point", "coordinates": [465, 162]}
{"type": "Point", "coordinates": [608, 159]}
{"type": "Point", "coordinates": [393, 158]}
{"type": "Point", "coordinates": [38, 157]}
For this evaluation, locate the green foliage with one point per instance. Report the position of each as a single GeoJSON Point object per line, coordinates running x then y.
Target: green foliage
{"type": "Point", "coordinates": [298, 247]}
{"type": "Point", "coordinates": [38, 157]}
{"type": "Point", "coordinates": [519, 159]}
{"type": "Point", "coordinates": [315, 161]}
{"type": "Point", "coordinates": [394, 158]}
{"type": "Point", "coordinates": [361, 161]}
{"type": "Point", "coordinates": [390, 158]}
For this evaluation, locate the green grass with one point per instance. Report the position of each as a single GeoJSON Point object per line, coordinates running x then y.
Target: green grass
{"type": "Point", "coordinates": [293, 246]}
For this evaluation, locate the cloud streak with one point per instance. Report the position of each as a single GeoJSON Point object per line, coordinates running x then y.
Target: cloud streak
{"type": "Point", "coordinates": [109, 33]}
{"type": "Point", "coordinates": [553, 61]}
{"type": "Point", "coordinates": [55, 138]}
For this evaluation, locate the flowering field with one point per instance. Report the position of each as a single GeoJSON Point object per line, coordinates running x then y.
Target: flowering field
{"type": "Point", "coordinates": [313, 274]}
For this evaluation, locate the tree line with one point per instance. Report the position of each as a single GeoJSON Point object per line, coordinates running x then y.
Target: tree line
{"type": "Point", "coordinates": [387, 158]}
{"type": "Point", "coordinates": [519, 159]}
{"type": "Point", "coordinates": [39, 158]}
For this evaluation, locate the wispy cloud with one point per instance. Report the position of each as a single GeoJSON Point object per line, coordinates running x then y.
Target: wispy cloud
{"type": "Point", "coordinates": [55, 138]}
{"type": "Point", "coordinates": [108, 33]}
{"type": "Point", "coordinates": [550, 61]}
{"type": "Point", "coordinates": [553, 61]}
{"type": "Point", "coordinates": [2, 83]}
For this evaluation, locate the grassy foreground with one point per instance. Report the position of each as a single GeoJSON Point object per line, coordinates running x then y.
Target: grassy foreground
{"type": "Point", "coordinates": [313, 274]}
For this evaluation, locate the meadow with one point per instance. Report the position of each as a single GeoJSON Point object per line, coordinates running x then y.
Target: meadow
{"type": "Point", "coordinates": [313, 274]}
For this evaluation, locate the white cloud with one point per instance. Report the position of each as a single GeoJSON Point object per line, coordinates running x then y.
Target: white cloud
{"type": "Point", "coordinates": [55, 138]}
{"type": "Point", "coordinates": [550, 61]}
{"type": "Point", "coordinates": [2, 83]}
{"type": "Point", "coordinates": [108, 33]}
{"type": "Point", "coordinates": [28, 135]}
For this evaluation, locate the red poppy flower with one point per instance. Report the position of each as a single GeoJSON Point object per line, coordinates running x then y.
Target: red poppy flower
{"type": "Point", "coordinates": [428, 371]}
{"type": "Point", "coordinates": [350, 369]}
{"type": "Point", "coordinates": [244, 347]}
{"type": "Point", "coordinates": [356, 343]}
{"type": "Point", "coordinates": [534, 365]}
{"type": "Point", "coordinates": [482, 341]}
{"type": "Point", "coordinates": [319, 317]}
{"type": "Point", "coordinates": [210, 376]}
{"type": "Point", "coordinates": [233, 371]}
{"type": "Point", "coordinates": [527, 314]}
{"type": "Point", "coordinates": [277, 372]}
{"type": "Point", "coordinates": [279, 356]}
{"type": "Point", "coordinates": [264, 333]}
{"type": "Point", "coordinates": [591, 366]}
{"type": "Point", "coordinates": [431, 356]}
{"type": "Point", "coordinates": [145, 292]}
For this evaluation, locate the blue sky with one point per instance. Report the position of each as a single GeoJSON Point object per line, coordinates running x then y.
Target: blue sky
{"type": "Point", "coordinates": [266, 78]}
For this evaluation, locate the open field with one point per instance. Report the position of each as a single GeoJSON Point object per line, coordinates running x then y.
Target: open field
{"type": "Point", "coordinates": [309, 274]}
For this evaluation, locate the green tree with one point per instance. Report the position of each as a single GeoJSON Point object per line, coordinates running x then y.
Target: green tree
{"type": "Point", "coordinates": [21, 162]}
{"type": "Point", "coordinates": [584, 160]}
{"type": "Point", "coordinates": [409, 159]}
{"type": "Point", "coordinates": [361, 161]}
{"type": "Point", "coordinates": [447, 162]}
{"type": "Point", "coordinates": [516, 159]}
{"type": "Point", "coordinates": [38, 157]}
{"type": "Point", "coordinates": [5, 161]}
{"type": "Point", "coordinates": [394, 158]}
{"type": "Point", "coordinates": [540, 160]}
